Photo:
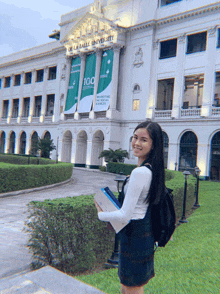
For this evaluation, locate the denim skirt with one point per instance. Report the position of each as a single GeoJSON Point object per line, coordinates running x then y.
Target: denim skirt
{"type": "Point", "coordinates": [136, 252]}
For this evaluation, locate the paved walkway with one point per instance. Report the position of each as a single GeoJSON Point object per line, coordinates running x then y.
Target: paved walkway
{"type": "Point", "coordinates": [14, 255]}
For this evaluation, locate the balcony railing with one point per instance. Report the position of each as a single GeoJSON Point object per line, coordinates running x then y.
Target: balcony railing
{"type": "Point", "coordinates": [194, 112]}
{"type": "Point", "coordinates": [215, 111]}
{"type": "Point", "coordinates": [163, 113]}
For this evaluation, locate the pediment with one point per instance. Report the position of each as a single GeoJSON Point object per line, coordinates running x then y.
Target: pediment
{"type": "Point", "coordinates": [91, 30]}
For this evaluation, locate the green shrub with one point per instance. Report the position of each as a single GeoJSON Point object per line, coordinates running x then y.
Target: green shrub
{"type": "Point", "coordinates": [19, 177]}
{"type": "Point", "coordinates": [102, 168]}
{"type": "Point", "coordinates": [116, 168]}
{"type": "Point", "coordinates": [24, 159]}
{"type": "Point", "coordinates": [66, 233]}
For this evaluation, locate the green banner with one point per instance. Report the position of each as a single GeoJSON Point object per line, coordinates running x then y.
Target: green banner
{"type": "Point", "coordinates": [105, 79]}
{"type": "Point", "coordinates": [73, 90]}
{"type": "Point", "coordinates": [88, 84]}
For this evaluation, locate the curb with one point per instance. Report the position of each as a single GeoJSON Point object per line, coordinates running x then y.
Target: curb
{"type": "Point", "coordinates": [15, 193]}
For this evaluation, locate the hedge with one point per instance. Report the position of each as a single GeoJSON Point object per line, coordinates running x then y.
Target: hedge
{"type": "Point", "coordinates": [24, 159]}
{"type": "Point", "coordinates": [66, 233]}
{"type": "Point", "coordinates": [19, 177]}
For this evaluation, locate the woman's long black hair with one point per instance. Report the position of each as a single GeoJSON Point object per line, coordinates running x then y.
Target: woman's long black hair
{"type": "Point", "coordinates": [156, 160]}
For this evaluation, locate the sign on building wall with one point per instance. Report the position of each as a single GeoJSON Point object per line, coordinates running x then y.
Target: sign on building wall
{"type": "Point", "coordinates": [72, 94]}
{"type": "Point", "coordinates": [88, 84]}
{"type": "Point", "coordinates": [105, 79]}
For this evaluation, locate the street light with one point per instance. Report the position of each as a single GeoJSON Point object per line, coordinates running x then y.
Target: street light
{"type": "Point", "coordinates": [197, 172]}
{"type": "Point", "coordinates": [113, 261]}
{"type": "Point", "coordinates": [186, 173]}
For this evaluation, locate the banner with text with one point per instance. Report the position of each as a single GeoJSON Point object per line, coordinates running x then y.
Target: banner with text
{"type": "Point", "coordinates": [105, 81]}
{"type": "Point", "coordinates": [88, 84]}
{"type": "Point", "coordinates": [73, 90]}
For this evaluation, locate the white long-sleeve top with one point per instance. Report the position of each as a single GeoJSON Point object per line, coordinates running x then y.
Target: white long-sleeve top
{"type": "Point", "coordinates": [134, 205]}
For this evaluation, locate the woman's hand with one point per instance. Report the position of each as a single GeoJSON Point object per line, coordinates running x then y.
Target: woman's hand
{"type": "Point", "coordinates": [98, 207]}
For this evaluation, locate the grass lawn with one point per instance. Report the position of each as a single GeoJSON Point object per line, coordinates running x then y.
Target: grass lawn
{"type": "Point", "coordinates": [189, 264]}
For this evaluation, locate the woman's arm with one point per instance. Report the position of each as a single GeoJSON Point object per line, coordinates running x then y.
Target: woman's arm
{"type": "Point", "coordinates": [140, 178]}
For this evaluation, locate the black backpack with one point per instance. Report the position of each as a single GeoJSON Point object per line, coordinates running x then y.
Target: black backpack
{"type": "Point", "coordinates": [163, 218]}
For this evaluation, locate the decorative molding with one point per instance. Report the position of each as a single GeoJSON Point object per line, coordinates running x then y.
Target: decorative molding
{"type": "Point", "coordinates": [138, 61]}
{"type": "Point", "coordinates": [156, 44]}
{"type": "Point", "coordinates": [179, 17]}
{"type": "Point", "coordinates": [182, 39]}
{"type": "Point", "coordinates": [212, 31]}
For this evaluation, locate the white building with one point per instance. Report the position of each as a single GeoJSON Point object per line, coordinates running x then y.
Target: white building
{"type": "Point", "coordinates": [114, 64]}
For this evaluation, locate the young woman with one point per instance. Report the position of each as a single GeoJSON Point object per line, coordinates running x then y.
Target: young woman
{"type": "Point", "coordinates": [144, 186]}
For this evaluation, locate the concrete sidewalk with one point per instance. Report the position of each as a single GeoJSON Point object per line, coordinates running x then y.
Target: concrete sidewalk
{"type": "Point", "coordinates": [46, 280]}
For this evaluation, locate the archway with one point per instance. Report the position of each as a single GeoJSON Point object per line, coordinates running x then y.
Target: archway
{"type": "Point", "coordinates": [165, 148]}
{"type": "Point", "coordinates": [22, 143]}
{"type": "Point", "coordinates": [12, 143]}
{"type": "Point", "coordinates": [188, 151]}
{"type": "Point", "coordinates": [215, 157]}
{"type": "Point", "coordinates": [81, 149]}
{"type": "Point", "coordinates": [67, 146]}
{"type": "Point", "coordinates": [97, 148]}
{"type": "Point", "coordinates": [47, 135]}
{"type": "Point", "coordinates": [2, 142]}
{"type": "Point", "coordinates": [34, 141]}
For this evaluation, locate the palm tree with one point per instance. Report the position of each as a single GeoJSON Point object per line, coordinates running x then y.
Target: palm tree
{"type": "Point", "coordinates": [117, 155]}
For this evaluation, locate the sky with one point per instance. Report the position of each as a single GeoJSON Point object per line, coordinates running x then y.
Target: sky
{"type": "Point", "coordinates": [26, 23]}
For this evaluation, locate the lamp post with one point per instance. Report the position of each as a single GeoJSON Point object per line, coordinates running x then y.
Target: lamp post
{"type": "Point", "coordinates": [197, 172]}
{"type": "Point", "coordinates": [186, 173]}
{"type": "Point", "coordinates": [113, 261]}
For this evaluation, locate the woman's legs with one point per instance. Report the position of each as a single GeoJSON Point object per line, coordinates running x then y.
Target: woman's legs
{"type": "Point", "coordinates": [132, 290]}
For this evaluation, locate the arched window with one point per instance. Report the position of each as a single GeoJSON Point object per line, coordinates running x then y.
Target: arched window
{"type": "Point", "coordinates": [137, 88]}
{"type": "Point", "coordinates": [188, 151]}
{"type": "Point", "coordinates": [22, 143]}
{"type": "Point", "coordinates": [34, 141]}
{"type": "Point", "coordinates": [165, 148]}
{"type": "Point", "coordinates": [47, 135]}
{"type": "Point", "coordinates": [12, 143]}
{"type": "Point", "coordinates": [215, 157]}
{"type": "Point", "coordinates": [2, 142]}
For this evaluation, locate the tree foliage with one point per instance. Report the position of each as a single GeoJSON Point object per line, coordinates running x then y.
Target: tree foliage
{"type": "Point", "coordinates": [45, 145]}
{"type": "Point", "coordinates": [117, 155]}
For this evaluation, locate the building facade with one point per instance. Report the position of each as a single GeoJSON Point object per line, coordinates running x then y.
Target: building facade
{"type": "Point", "coordinates": [114, 64]}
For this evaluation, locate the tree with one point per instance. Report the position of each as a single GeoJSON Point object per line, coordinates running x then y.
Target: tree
{"type": "Point", "coordinates": [45, 145]}
{"type": "Point", "coordinates": [117, 155]}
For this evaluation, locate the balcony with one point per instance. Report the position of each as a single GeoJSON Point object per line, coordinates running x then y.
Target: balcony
{"type": "Point", "coordinates": [193, 112]}
{"type": "Point", "coordinates": [215, 111]}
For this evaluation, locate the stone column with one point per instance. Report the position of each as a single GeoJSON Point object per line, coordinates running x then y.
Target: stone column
{"type": "Point", "coordinates": [10, 109]}
{"type": "Point", "coordinates": [172, 156]}
{"type": "Point", "coordinates": [89, 153]}
{"type": "Point", "coordinates": [209, 80]}
{"type": "Point", "coordinates": [97, 74]}
{"type": "Point", "coordinates": [179, 80]}
{"type": "Point", "coordinates": [17, 143]}
{"type": "Point", "coordinates": [43, 107]}
{"type": "Point", "coordinates": [82, 71]}
{"type": "Point", "coordinates": [153, 82]}
{"type": "Point", "coordinates": [20, 109]}
{"type": "Point", "coordinates": [114, 87]}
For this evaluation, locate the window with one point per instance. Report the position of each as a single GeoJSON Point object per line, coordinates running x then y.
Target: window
{"type": "Point", "coordinates": [0, 83]}
{"type": "Point", "coordinates": [196, 43]}
{"type": "Point", "coordinates": [136, 89]}
{"type": "Point", "coordinates": [17, 80]}
{"type": "Point", "coordinates": [5, 108]}
{"type": "Point", "coordinates": [165, 94]}
{"type": "Point", "coordinates": [52, 73]}
{"type": "Point", "coordinates": [218, 42]}
{"type": "Point", "coordinates": [28, 76]}
{"type": "Point", "coordinates": [15, 108]}
{"type": "Point", "coordinates": [216, 101]}
{"type": "Point", "coordinates": [37, 108]}
{"type": "Point", "coordinates": [167, 2]}
{"type": "Point", "coordinates": [50, 104]}
{"type": "Point", "coordinates": [26, 106]}
{"type": "Point", "coordinates": [136, 103]}
{"type": "Point", "coordinates": [40, 75]}
{"type": "Point", "coordinates": [168, 48]}
{"type": "Point", "coordinates": [193, 91]}
{"type": "Point", "coordinates": [7, 82]}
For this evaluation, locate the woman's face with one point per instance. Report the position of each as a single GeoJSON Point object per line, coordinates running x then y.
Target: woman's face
{"type": "Point", "coordinates": [141, 143]}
